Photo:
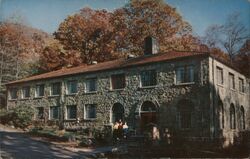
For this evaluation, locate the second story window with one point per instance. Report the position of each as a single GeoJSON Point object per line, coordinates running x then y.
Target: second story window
{"type": "Point", "coordinates": [72, 87]}
{"type": "Point", "coordinates": [219, 74]}
{"type": "Point", "coordinates": [148, 78]}
{"type": "Point", "coordinates": [185, 74]}
{"type": "Point", "coordinates": [56, 88]}
{"type": "Point", "coordinates": [13, 93]}
{"type": "Point", "coordinates": [26, 92]}
{"type": "Point", "coordinates": [39, 90]}
{"type": "Point", "coordinates": [241, 85]}
{"type": "Point", "coordinates": [118, 81]}
{"type": "Point", "coordinates": [91, 85]}
{"type": "Point", "coordinates": [231, 81]}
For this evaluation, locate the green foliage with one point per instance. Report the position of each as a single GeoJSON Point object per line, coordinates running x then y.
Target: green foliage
{"type": "Point", "coordinates": [23, 116]}
{"type": "Point", "coordinates": [20, 116]}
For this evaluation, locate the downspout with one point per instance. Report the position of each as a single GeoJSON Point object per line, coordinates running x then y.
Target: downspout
{"type": "Point", "coordinates": [213, 101]}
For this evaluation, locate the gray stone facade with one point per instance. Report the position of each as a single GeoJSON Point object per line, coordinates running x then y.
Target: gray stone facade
{"type": "Point", "coordinates": [203, 94]}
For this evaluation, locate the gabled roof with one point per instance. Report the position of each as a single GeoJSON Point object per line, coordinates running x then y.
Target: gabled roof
{"type": "Point", "coordinates": [115, 64]}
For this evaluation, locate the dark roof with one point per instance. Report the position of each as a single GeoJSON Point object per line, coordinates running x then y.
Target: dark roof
{"type": "Point", "coordinates": [115, 64]}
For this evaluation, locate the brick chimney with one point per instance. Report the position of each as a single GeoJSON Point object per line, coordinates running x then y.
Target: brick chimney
{"type": "Point", "coordinates": [150, 46]}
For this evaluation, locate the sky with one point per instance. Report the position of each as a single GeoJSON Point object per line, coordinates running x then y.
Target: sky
{"type": "Point", "coordinates": [48, 14]}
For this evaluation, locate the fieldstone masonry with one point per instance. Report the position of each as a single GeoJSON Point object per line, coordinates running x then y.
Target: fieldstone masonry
{"type": "Point", "coordinates": [204, 94]}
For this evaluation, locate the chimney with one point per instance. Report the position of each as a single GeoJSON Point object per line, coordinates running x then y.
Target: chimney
{"type": "Point", "coordinates": [93, 62]}
{"type": "Point", "coordinates": [150, 46]}
{"type": "Point", "coordinates": [130, 56]}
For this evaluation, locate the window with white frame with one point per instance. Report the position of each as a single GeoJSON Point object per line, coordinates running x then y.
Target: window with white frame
{"type": "Point", "coordinates": [71, 112]}
{"type": "Point", "coordinates": [219, 75]}
{"type": "Point", "coordinates": [91, 85]}
{"type": "Point", "coordinates": [56, 88]}
{"type": "Point", "coordinates": [231, 81]}
{"type": "Point", "coordinates": [118, 81]}
{"type": "Point", "coordinates": [13, 93]}
{"type": "Point", "coordinates": [241, 85]}
{"type": "Point", "coordinates": [90, 111]}
{"type": "Point", "coordinates": [72, 87]}
{"type": "Point", "coordinates": [184, 74]}
{"type": "Point", "coordinates": [26, 92]}
{"type": "Point", "coordinates": [54, 112]}
{"type": "Point", "coordinates": [148, 78]}
{"type": "Point", "coordinates": [39, 90]}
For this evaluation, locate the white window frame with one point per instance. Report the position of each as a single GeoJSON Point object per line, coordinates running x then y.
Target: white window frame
{"type": "Point", "coordinates": [85, 112]}
{"type": "Point", "coordinates": [68, 85]}
{"type": "Point", "coordinates": [38, 87]}
{"type": "Point", "coordinates": [86, 85]}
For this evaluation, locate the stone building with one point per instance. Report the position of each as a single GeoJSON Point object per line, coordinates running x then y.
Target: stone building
{"type": "Point", "coordinates": [190, 94]}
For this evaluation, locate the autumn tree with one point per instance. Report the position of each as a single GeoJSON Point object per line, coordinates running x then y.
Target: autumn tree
{"type": "Point", "coordinates": [19, 51]}
{"type": "Point", "coordinates": [54, 57]}
{"type": "Point", "coordinates": [138, 19]}
{"type": "Point", "coordinates": [88, 32]}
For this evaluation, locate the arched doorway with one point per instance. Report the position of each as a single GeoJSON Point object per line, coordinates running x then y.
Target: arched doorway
{"type": "Point", "coordinates": [117, 112]}
{"type": "Point", "coordinates": [148, 114]}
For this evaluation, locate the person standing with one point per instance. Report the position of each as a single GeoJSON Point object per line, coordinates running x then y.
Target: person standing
{"type": "Point", "coordinates": [125, 130]}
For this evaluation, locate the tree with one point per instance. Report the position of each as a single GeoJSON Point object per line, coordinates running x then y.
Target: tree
{"type": "Point", "coordinates": [54, 57]}
{"type": "Point", "coordinates": [242, 59]}
{"type": "Point", "coordinates": [20, 48]}
{"type": "Point", "coordinates": [88, 32]}
{"type": "Point", "coordinates": [229, 36]}
{"type": "Point", "coordinates": [101, 35]}
{"type": "Point", "coordinates": [139, 19]}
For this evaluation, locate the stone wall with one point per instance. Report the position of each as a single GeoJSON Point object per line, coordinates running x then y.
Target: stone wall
{"type": "Point", "coordinates": [165, 95]}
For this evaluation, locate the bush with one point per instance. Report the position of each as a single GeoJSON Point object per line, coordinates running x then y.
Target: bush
{"type": "Point", "coordinates": [20, 116]}
{"type": "Point", "coordinates": [6, 116]}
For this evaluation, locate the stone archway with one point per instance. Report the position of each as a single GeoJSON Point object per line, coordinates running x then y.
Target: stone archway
{"type": "Point", "coordinates": [148, 114]}
{"type": "Point", "coordinates": [117, 112]}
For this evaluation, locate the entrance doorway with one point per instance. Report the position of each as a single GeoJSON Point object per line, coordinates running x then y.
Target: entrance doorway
{"type": "Point", "coordinates": [148, 115]}
{"type": "Point", "coordinates": [117, 113]}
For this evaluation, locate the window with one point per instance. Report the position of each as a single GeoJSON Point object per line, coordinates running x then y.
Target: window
{"type": "Point", "coordinates": [13, 93]}
{"type": "Point", "coordinates": [26, 92]}
{"type": "Point", "coordinates": [232, 117]}
{"type": "Point", "coordinates": [90, 111]}
{"type": "Point", "coordinates": [185, 74]}
{"type": "Point", "coordinates": [71, 87]}
{"type": "Point", "coordinates": [148, 78]}
{"type": "Point", "coordinates": [71, 112]}
{"type": "Point", "coordinates": [40, 112]}
{"type": "Point", "coordinates": [231, 81]}
{"type": "Point", "coordinates": [56, 88]}
{"type": "Point", "coordinates": [219, 74]}
{"type": "Point", "coordinates": [91, 85]}
{"type": "Point", "coordinates": [118, 81]}
{"type": "Point", "coordinates": [221, 114]}
{"type": "Point", "coordinates": [54, 112]}
{"type": "Point", "coordinates": [241, 85]}
{"type": "Point", "coordinates": [242, 118]}
{"type": "Point", "coordinates": [185, 108]}
{"type": "Point", "coordinates": [39, 90]}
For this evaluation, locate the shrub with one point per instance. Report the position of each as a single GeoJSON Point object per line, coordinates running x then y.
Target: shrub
{"type": "Point", "coordinates": [23, 116]}
{"type": "Point", "coordinates": [6, 116]}
{"type": "Point", "coordinates": [20, 116]}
